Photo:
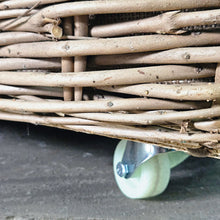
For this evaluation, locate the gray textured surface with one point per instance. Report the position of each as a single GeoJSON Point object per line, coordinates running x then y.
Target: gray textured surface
{"type": "Point", "coordinates": [59, 174]}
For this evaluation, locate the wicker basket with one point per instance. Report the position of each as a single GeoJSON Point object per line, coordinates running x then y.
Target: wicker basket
{"type": "Point", "coordinates": [143, 70]}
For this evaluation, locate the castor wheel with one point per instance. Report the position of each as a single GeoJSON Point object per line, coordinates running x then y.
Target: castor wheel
{"type": "Point", "coordinates": [143, 170]}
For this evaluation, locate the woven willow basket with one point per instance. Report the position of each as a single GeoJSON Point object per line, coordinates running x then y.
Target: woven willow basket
{"type": "Point", "coordinates": [144, 70]}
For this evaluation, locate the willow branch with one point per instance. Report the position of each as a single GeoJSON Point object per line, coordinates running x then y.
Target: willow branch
{"type": "Point", "coordinates": [108, 77]}
{"type": "Point", "coordinates": [26, 13]}
{"type": "Point", "coordinates": [33, 98]}
{"type": "Point", "coordinates": [196, 91]}
{"type": "Point", "coordinates": [121, 45]}
{"type": "Point", "coordinates": [12, 90]}
{"type": "Point", "coordinates": [23, 25]}
{"type": "Point", "coordinates": [116, 6]}
{"type": "Point", "coordinates": [27, 64]}
{"type": "Point", "coordinates": [15, 13]}
{"type": "Point", "coordinates": [152, 118]}
{"type": "Point", "coordinates": [178, 56]}
{"type": "Point", "coordinates": [95, 106]}
{"type": "Point", "coordinates": [193, 148]}
{"type": "Point", "coordinates": [45, 120]}
{"type": "Point", "coordinates": [20, 37]}
{"type": "Point", "coordinates": [153, 103]}
{"type": "Point", "coordinates": [168, 22]}
{"type": "Point", "coordinates": [211, 126]}
{"type": "Point", "coordinates": [164, 139]}
{"type": "Point", "coordinates": [14, 4]}
{"type": "Point", "coordinates": [53, 12]}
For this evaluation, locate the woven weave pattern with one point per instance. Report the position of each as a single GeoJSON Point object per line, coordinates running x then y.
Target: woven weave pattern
{"type": "Point", "coordinates": [142, 70]}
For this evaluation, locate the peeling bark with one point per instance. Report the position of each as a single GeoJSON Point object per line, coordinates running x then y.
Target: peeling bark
{"type": "Point", "coordinates": [169, 22]}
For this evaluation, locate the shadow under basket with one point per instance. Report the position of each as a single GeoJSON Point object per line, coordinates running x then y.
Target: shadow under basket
{"type": "Point", "coordinates": [144, 70]}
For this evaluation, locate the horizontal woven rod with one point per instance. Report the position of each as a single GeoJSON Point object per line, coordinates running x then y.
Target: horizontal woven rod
{"type": "Point", "coordinates": [183, 105]}
{"type": "Point", "coordinates": [27, 64]}
{"type": "Point", "coordinates": [35, 99]}
{"type": "Point", "coordinates": [152, 118]}
{"type": "Point", "coordinates": [32, 98]}
{"type": "Point", "coordinates": [86, 97]}
{"type": "Point", "coordinates": [138, 104]}
{"type": "Point", "coordinates": [12, 90]}
{"type": "Point", "coordinates": [171, 138]}
{"type": "Point", "coordinates": [93, 106]}
{"type": "Point", "coordinates": [35, 119]}
{"type": "Point", "coordinates": [20, 37]}
{"type": "Point", "coordinates": [107, 77]}
{"type": "Point", "coordinates": [168, 22]}
{"type": "Point", "coordinates": [118, 133]}
{"type": "Point", "coordinates": [177, 56]}
{"type": "Point", "coordinates": [194, 149]}
{"type": "Point", "coordinates": [113, 6]}
{"type": "Point", "coordinates": [15, 13]}
{"type": "Point", "coordinates": [159, 103]}
{"type": "Point", "coordinates": [121, 45]}
{"type": "Point", "coordinates": [14, 4]}
{"type": "Point", "coordinates": [16, 25]}
{"type": "Point", "coordinates": [194, 91]}
{"type": "Point", "coordinates": [212, 126]}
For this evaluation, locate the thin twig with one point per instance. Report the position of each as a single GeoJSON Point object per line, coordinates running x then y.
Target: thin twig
{"type": "Point", "coordinates": [8, 26]}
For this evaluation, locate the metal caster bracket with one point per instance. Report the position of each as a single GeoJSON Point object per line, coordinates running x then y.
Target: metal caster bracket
{"type": "Point", "coordinates": [136, 154]}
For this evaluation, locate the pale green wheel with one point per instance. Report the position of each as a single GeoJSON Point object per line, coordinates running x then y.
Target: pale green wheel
{"type": "Point", "coordinates": [149, 179]}
{"type": "Point", "coordinates": [176, 157]}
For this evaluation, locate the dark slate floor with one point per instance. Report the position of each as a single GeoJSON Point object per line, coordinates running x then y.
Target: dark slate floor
{"type": "Point", "coordinates": [50, 173]}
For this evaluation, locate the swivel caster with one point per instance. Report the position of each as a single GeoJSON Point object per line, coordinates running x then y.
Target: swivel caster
{"type": "Point", "coordinates": [143, 170]}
